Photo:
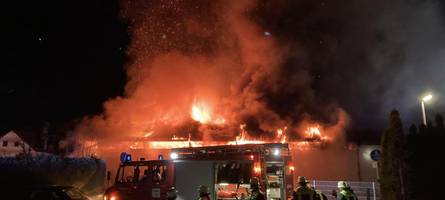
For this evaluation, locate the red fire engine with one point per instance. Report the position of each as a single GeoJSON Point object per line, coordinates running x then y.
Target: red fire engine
{"type": "Point", "coordinates": [225, 170]}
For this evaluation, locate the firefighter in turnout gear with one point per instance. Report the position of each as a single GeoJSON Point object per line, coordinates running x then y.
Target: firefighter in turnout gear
{"type": "Point", "coordinates": [255, 193]}
{"type": "Point", "coordinates": [346, 193]}
{"type": "Point", "coordinates": [304, 192]}
{"type": "Point", "coordinates": [203, 193]}
{"type": "Point", "coordinates": [172, 194]}
{"type": "Point", "coordinates": [319, 195]}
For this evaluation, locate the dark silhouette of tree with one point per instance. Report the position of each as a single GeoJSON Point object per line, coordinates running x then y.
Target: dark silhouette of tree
{"type": "Point", "coordinates": [411, 161]}
{"type": "Point", "coordinates": [391, 182]}
{"type": "Point", "coordinates": [424, 160]}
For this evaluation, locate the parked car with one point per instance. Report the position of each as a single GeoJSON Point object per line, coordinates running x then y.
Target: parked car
{"type": "Point", "coordinates": [56, 193]}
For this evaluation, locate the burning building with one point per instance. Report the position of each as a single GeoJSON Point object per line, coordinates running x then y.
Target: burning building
{"type": "Point", "coordinates": [207, 73]}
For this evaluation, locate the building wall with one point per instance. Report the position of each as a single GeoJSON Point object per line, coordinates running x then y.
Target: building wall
{"type": "Point", "coordinates": [336, 163]}
{"type": "Point", "coordinates": [11, 145]}
{"type": "Point", "coordinates": [368, 167]}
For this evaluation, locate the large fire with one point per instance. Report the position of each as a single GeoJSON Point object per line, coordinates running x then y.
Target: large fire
{"type": "Point", "coordinates": [199, 74]}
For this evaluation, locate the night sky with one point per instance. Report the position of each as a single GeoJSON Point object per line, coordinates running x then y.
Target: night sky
{"type": "Point", "coordinates": [62, 60]}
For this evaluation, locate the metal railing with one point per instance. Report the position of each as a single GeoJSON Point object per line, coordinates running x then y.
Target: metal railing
{"type": "Point", "coordinates": [363, 190]}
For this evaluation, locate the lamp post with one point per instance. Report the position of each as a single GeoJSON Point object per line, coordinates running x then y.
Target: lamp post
{"type": "Point", "coordinates": [425, 99]}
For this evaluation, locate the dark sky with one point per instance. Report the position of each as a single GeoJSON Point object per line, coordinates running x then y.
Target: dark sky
{"type": "Point", "coordinates": [62, 60]}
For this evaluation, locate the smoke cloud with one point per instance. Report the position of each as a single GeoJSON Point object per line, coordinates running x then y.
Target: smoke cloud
{"type": "Point", "coordinates": [273, 64]}
{"type": "Point", "coordinates": [371, 56]}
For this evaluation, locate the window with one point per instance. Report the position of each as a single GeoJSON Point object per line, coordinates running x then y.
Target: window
{"type": "Point", "coordinates": [232, 179]}
{"type": "Point", "coordinates": [153, 173]}
{"type": "Point", "coordinates": [16, 144]}
{"type": "Point", "coordinates": [234, 172]}
{"type": "Point", "coordinates": [5, 143]}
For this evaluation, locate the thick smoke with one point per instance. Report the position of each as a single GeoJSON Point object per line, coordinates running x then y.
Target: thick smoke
{"type": "Point", "coordinates": [210, 53]}
{"type": "Point", "coordinates": [417, 34]}
{"type": "Point", "coordinates": [371, 56]}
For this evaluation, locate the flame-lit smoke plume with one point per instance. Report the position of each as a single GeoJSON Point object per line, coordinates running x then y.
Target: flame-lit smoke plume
{"type": "Point", "coordinates": [205, 68]}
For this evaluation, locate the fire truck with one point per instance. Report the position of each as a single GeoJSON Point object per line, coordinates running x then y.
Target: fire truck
{"type": "Point", "coordinates": [225, 170]}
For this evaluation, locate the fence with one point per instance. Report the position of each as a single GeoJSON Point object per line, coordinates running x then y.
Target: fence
{"type": "Point", "coordinates": [363, 190]}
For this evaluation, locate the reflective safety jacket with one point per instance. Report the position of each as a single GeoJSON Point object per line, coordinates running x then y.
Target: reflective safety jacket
{"type": "Point", "coordinates": [257, 195]}
{"type": "Point", "coordinates": [320, 195]}
{"type": "Point", "coordinates": [346, 194]}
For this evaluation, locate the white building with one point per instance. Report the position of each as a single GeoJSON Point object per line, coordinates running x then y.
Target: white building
{"type": "Point", "coordinates": [11, 145]}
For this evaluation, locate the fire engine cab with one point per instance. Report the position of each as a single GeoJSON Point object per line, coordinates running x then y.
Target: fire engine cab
{"type": "Point", "coordinates": [225, 170]}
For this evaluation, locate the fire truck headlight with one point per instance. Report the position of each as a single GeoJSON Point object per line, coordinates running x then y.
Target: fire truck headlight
{"type": "Point", "coordinates": [174, 155]}
{"type": "Point", "coordinates": [110, 197]}
{"type": "Point", "coordinates": [276, 152]}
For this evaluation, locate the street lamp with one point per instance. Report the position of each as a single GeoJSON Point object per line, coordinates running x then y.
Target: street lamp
{"type": "Point", "coordinates": [425, 99]}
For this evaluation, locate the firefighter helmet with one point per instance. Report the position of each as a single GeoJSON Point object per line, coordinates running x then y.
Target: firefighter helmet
{"type": "Point", "coordinates": [202, 189]}
{"type": "Point", "coordinates": [302, 180]}
{"type": "Point", "coordinates": [255, 181]}
{"type": "Point", "coordinates": [342, 184]}
{"type": "Point", "coordinates": [172, 193]}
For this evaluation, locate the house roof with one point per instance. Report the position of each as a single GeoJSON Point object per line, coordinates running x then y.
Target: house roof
{"type": "Point", "coordinates": [11, 136]}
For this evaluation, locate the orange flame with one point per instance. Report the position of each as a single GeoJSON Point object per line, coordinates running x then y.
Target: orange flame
{"type": "Point", "coordinates": [201, 113]}
{"type": "Point", "coordinates": [257, 168]}
{"type": "Point", "coordinates": [283, 139]}
{"type": "Point", "coordinates": [313, 132]}
{"type": "Point", "coordinates": [279, 132]}
{"type": "Point", "coordinates": [242, 138]}
{"type": "Point", "coordinates": [281, 136]}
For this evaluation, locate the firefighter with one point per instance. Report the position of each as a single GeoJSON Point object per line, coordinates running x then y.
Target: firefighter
{"type": "Point", "coordinates": [304, 192]}
{"type": "Point", "coordinates": [172, 193]}
{"type": "Point", "coordinates": [255, 193]}
{"type": "Point", "coordinates": [319, 195]}
{"type": "Point", "coordinates": [136, 172]}
{"type": "Point", "coordinates": [346, 193]}
{"type": "Point", "coordinates": [203, 193]}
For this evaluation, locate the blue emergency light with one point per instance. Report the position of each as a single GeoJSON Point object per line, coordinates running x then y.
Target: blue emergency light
{"type": "Point", "coordinates": [125, 157]}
